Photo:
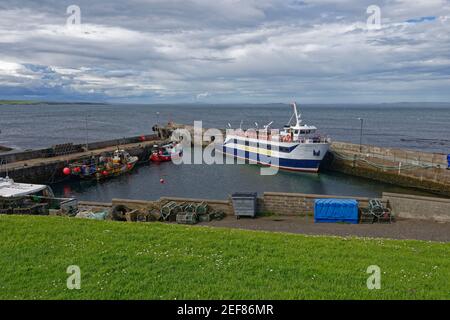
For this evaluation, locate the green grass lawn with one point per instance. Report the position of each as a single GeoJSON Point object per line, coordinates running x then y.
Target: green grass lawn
{"type": "Point", "coordinates": [121, 260]}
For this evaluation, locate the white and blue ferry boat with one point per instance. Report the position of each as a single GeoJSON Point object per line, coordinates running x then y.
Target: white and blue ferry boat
{"type": "Point", "coordinates": [296, 147]}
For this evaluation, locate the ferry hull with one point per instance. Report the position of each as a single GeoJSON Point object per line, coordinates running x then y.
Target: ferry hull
{"type": "Point", "coordinates": [300, 165]}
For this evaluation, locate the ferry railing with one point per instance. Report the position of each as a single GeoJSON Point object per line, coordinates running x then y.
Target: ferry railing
{"type": "Point", "coordinates": [278, 137]}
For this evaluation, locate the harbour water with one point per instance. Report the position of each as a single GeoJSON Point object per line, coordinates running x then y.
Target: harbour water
{"type": "Point", "coordinates": [218, 182]}
{"type": "Point", "coordinates": [405, 126]}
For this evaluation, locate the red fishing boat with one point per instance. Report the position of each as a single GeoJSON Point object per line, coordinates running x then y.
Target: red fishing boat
{"type": "Point", "coordinates": [165, 153]}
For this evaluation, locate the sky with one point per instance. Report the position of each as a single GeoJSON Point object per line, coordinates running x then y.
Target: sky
{"type": "Point", "coordinates": [225, 51]}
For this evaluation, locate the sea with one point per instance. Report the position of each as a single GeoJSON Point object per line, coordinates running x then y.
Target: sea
{"type": "Point", "coordinates": [416, 126]}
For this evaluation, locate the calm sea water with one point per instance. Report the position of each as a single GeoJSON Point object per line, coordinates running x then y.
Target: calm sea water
{"type": "Point", "coordinates": [218, 182]}
{"type": "Point", "coordinates": [421, 127]}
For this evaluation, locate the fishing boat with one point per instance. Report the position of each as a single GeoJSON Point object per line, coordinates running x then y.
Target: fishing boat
{"type": "Point", "coordinates": [166, 152]}
{"type": "Point", "coordinates": [103, 167]}
{"type": "Point", "coordinates": [26, 198]}
{"type": "Point", "coordinates": [296, 147]}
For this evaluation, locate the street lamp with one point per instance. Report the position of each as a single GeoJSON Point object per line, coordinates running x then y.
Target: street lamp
{"type": "Point", "coordinates": [361, 134]}
{"type": "Point", "coordinates": [87, 132]}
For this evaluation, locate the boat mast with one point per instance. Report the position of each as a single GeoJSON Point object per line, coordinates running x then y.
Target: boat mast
{"type": "Point", "coordinates": [297, 115]}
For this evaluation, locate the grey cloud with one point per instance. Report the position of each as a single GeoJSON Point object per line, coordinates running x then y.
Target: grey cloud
{"type": "Point", "coordinates": [269, 50]}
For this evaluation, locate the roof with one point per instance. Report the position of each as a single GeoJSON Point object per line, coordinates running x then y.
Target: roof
{"type": "Point", "coordinates": [304, 127]}
{"type": "Point", "coordinates": [9, 188]}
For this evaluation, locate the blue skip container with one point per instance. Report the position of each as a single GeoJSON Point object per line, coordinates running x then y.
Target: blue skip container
{"type": "Point", "coordinates": [336, 210]}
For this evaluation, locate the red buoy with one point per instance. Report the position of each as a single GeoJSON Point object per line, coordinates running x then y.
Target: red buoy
{"type": "Point", "coordinates": [77, 169]}
{"type": "Point", "coordinates": [66, 171]}
{"type": "Point", "coordinates": [142, 138]}
{"type": "Point", "coordinates": [105, 173]}
{"type": "Point", "coordinates": [67, 191]}
{"type": "Point", "coordinates": [161, 180]}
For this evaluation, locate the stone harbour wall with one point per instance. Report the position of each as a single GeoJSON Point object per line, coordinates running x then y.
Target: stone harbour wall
{"type": "Point", "coordinates": [403, 206]}
{"type": "Point", "coordinates": [408, 168]}
{"type": "Point", "coordinates": [417, 207]}
{"type": "Point", "coordinates": [293, 204]}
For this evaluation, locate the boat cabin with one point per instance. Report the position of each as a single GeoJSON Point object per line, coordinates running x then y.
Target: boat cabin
{"type": "Point", "coordinates": [121, 156]}
{"type": "Point", "coordinates": [298, 131]}
{"type": "Point", "coordinates": [9, 189]}
{"type": "Point", "coordinates": [24, 198]}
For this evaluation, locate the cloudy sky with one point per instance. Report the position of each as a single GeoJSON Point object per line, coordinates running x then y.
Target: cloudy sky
{"type": "Point", "coordinates": [151, 51]}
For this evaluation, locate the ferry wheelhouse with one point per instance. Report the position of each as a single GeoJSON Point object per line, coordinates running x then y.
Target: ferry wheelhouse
{"type": "Point", "coordinates": [296, 147]}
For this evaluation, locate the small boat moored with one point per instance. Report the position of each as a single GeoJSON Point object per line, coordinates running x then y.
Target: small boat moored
{"type": "Point", "coordinates": [166, 152]}
{"type": "Point", "coordinates": [33, 199]}
{"type": "Point", "coordinates": [103, 167]}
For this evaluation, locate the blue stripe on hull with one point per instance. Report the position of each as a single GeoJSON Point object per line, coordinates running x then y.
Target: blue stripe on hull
{"type": "Point", "coordinates": [289, 164]}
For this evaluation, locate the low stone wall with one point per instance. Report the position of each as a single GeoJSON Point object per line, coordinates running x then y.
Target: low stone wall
{"type": "Point", "coordinates": [94, 204]}
{"type": "Point", "coordinates": [41, 173]}
{"type": "Point", "coordinates": [418, 207]}
{"type": "Point", "coordinates": [5, 149]}
{"type": "Point", "coordinates": [121, 141]}
{"type": "Point", "coordinates": [49, 152]}
{"type": "Point", "coordinates": [137, 204]}
{"type": "Point", "coordinates": [298, 203]}
{"type": "Point", "coordinates": [25, 155]}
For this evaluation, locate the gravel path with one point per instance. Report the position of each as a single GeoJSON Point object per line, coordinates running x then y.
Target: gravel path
{"type": "Point", "coordinates": [402, 229]}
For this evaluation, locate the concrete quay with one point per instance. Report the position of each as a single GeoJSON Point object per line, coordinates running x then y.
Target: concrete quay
{"type": "Point", "coordinates": [45, 165]}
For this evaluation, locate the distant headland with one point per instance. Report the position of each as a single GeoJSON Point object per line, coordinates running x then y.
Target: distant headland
{"type": "Point", "coordinates": [36, 102]}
